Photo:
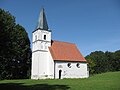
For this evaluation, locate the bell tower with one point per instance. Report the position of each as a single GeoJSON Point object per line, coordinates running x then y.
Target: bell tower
{"type": "Point", "coordinates": [41, 40]}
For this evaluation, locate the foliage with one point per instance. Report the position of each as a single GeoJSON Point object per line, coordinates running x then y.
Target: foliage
{"type": "Point", "coordinates": [105, 81]}
{"type": "Point", "coordinates": [100, 62]}
{"type": "Point", "coordinates": [15, 52]}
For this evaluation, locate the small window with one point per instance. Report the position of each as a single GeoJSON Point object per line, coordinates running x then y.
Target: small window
{"type": "Point", "coordinates": [88, 67]}
{"type": "Point", "coordinates": [69, 65]}
{"type": "Point", "coordinates": [44, 37]}
{"type": "Point", "coordinates": [45, 47]}
{"type": "Point", "coordinates": [35, 37]}
{"type": "Point", "coordinates": [41, 46]}
{"type": "Point", "coordinates": [78, 65]}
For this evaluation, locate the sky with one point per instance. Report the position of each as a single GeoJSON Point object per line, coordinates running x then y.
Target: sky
{"type": "Point", "coordinates": [93, 25]}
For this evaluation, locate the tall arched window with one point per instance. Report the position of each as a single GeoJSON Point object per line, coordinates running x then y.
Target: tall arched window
{"type": "Point", "coordinates": [41, 46]}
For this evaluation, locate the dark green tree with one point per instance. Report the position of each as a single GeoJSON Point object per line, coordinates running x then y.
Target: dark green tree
{"type": "Point", "coordinates": [117, 60]}
{"type": "Point", "coordinates": [91, 64]}
{"type": "Point", "coordinates": [110, 61]}
{"type": "Point", "coordinates": [100, 62]}
{"type": "Point", "coordinates": [15, 52]}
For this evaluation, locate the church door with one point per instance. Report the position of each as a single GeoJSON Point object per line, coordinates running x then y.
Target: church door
{"type": "Point", "coordinates": [60, 71]}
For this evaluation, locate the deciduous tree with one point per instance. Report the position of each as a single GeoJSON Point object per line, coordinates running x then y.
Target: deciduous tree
{"type": "Point", "coordinates": [15, 52]}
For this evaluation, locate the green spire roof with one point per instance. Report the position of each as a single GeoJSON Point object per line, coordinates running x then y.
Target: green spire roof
{"type": "Point", "coordinates": [42, 22]}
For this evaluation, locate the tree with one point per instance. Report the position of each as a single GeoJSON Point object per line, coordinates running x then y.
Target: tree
{"type": "Point", "coordinates": [15, 52]}
{"type": "Point", "coordinates": [117, 60]}
{"type": "Point", "coordinates": [110, 60]}
{"type": "Point", "coordinates": [91, 64]}
{"type": "Point", "coordinates": [100, 62]}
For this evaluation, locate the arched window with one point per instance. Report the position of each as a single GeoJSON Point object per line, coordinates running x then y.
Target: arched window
{"type": "Point", "coordinates": [44, 37]}
{"type": "Point", "coordinates": [69, 65]}
{"type": "Point", "coordinates": [35, 37]}
{"type": "Point", "coordinates": [45, 47]}
{"type": "Point", "coordinates": [41, 46]}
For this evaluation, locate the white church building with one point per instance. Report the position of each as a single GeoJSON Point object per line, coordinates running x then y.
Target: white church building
{"type": "Point", "coordinates": [53, 59]}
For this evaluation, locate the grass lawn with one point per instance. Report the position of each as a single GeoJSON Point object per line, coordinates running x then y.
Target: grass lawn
{"type": "Point", "coordinates": [105, 81]}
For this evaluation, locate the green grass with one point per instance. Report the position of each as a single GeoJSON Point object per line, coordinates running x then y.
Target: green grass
{"type": "Point", "coordinates": [105, 81]}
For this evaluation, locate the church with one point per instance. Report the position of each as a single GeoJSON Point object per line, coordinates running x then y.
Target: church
{"type": "Point", "coordinates": [53, 59]}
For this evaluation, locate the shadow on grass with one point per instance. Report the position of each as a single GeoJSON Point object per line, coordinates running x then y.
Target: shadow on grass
{"type": "Point", "coordinates": [20, 86]}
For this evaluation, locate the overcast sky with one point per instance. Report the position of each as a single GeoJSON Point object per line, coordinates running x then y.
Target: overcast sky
{"type": "Point", "coordinates": [90, 24]}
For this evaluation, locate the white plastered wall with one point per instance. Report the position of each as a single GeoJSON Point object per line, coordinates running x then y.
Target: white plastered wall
{"type": "Point", "coordinates": [73, 72]}
{"type": "Point", "coordinates": [40, 55]}
{"type": "Point", "coordinates": [51, 66]}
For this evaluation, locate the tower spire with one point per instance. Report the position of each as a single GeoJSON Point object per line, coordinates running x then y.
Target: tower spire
{"type": "Point", "coordinates": [42, 22]}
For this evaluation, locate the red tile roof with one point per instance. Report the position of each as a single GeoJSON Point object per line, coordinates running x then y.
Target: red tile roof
{"type": "Point", "coordinates": [65, 51]}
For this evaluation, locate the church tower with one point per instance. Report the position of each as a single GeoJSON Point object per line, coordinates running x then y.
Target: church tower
{"type": "Point", "coordinates": [41, 40]}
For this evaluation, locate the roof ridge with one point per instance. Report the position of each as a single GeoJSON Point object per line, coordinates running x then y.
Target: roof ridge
{"type": "Point", "coordinates": [63, 42]}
